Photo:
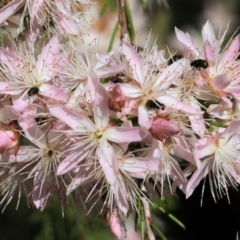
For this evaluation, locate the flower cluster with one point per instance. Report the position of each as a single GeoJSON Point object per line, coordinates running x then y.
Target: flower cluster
{"type": "Point", "coordinates": [62, 16]}
{"type": "Point", "coordinates": [102, 126]}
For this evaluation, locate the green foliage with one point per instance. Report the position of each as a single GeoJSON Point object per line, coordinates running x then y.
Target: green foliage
{"type": "Point", "coordinates": [74, 224]}
{"type": "Point", "coordinates": [108, 3]}
{"type": "Point", "coordinates": [130, 25]}
{"type": "Point", "coordinates": [115, 30]}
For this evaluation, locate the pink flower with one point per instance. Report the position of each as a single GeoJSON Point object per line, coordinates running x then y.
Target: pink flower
{"type": "Point", "coordinates": [66, 15]}
{"type": "Point", "coordinates": [21, 74]}
{"type": "Point", "coordinates": [219, 154]}
{"type": "Point", "coordinates": [95, 136]}
{"type": "Point", "coordinates": [222, 73]}
{"type": "Point", "coordinates": [151, 82]}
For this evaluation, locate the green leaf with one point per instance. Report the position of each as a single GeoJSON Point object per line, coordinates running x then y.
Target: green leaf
{"type": "Point", "coordinates": [172, 217]}
{"type": "Point", "coordinates": [142, 223]}
{"type": "Point", "coordinates": [143, 2]}
{"type": "Point", "coordinates": [158, 231]}
{"type": "Point", "coordinates": [213, 123]}
{"type": "Point", "coordinates": [178, 222]}
{"type": "Point", "coordinates": [104, 7]}
{"type": "Point", "coordinates": [113, 5]}
{"type": "Point", "coordinates": [115, 30]}
{"type": "Point", "coordinates": [130, 25]}
{"type": "Point", "coordinates": [208, 103]}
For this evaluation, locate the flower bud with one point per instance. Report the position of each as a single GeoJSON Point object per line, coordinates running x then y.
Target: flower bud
{"type": "Point", "coordinates": [115, 223]}
{"type": "Point", "coordinates": [116, 99]}
{"type": "Point", "coordinates": [9, 137]}
{"type": "Point", "coordinates": [162, 128]}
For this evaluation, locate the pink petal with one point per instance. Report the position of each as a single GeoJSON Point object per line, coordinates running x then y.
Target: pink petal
{"type": "Point", "coordinates": [197, 121]}
{"type": "Point", "coordinates": [27, 154]}
{"type": "Point", "coordinates": [69, 25]}
{"type": "Point", "coordinates": [186, 155]}
{"type": "Point", "coordinates": [204, 147]}
{"type": "Point", "coordinates": [130, 90]}
{"type": "Point", "coordinates": [47, 58]}
{"type": "Point", "coordinates": [208, 52]}
{"type": "Point", "coordinates": [73, 158]}
{"type": "Point", "coordinates": [231, 130]}
{"type": "Point", "coordinates": [177, 175]}
{"type": "Point", "coordinates": [83, 177]}
{"type": "Point", "coordinates": [144, 119]}
{"type": "Point", "coordinates": [53, 92]}
{"type": "Point", "coordinates": [55, 134]}
{"type": "Point", "coordinates": [22, 108]}
{"type": "Point", "coordinates": [34, 8]}
{"type": "Point", "coordinates": [134, 60]}
{"type": "Point", "coordinates": [230, 53]}
{"type": "Point", "coordinates": [208, 33]}
{"type": "Point", "coordinates": [198, 175]}
{"type": "Point", "coordinates": [101, 110]}
{"type": "Point", "coordinates": [120, 197]}
{"type": "Point", "coordinates": [221, 81]}
{"type": "Point", "coordinates": [77, 122]}
{"type": "Point", "coordinates": [125, 134]}
{"type": "Point", "coordinates": [7, 115]}
{"type": "Point", "coordinates": [170, 73]}
{"type": "Point", "coordinates": [172, 102]}
{"type": "Point", "coordinates": [108, 71]}
{"type": "Point", "coordinates": [92, 82]}
{"type": "Point", "coordinates": [115, 223]}
{"type": "Point", "coordinates": [32, 131]}
{"type": "Point", "coordinates": [10, 9]}
{"type": "Point", "coordinates": [40, 189]}
{"type": "Point", "coordinates": [140, 167]}
{"type": "Point", "coordinates": [186, 40]}
{"type": "Point", "coordinates": [10, 59]}
{"type": "Point", "coordinates": [108, 162]}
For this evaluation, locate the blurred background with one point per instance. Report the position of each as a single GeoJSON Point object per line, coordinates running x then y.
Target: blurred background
{"type": "Point", "coordinates": [212, 221]}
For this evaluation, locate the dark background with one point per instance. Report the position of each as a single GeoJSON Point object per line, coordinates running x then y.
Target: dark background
{"type": "Point", "coordinates": [219, 221]}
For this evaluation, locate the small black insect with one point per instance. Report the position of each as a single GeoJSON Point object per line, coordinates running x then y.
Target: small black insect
{"type": "Point", "coordinates": [174, 59]}
{"type": "Point", "coordinates": [116, 80]}
{"type": "Point", "coordinates": [150, 105]}
{"type": "Point", "coordinates": [199, 63]}
{"type": "Point", "coordinates": [32, 91]}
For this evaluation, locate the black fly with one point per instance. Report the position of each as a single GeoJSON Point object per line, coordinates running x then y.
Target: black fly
{"type": "Point", "coordinates": [174, 59]}
{"type": "Point", "coordinates": [33, 91]}
{"type": "Point", "coordinates": [199, 63]}
{"type": "Point", "coordinates": [116, 80]}
{"type": "Point", "coordinates": [151, 105]}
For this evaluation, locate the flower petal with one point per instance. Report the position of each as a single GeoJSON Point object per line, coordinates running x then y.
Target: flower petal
{"type": "Point", "coordinates": [208, 33]}
{"type": "Point", "coordinates": [221, 81]}
{"type": "Point", "coordinates": [53, 92]}
{"type": "Point", "coordinates": [77, 122]}
{"type": "Point", "coordinates": [172, 102]}
{"type": "Point", "coordinates": [32, 131]}
{"type": "Point", "coordinates": [40, 189]}
{"type": "Point", "coordinates": [47, 58]}
{"type": "Point", "coordinates": [108, 162]}
{"type": "Point", "coordinates": [140, 167]}
{"type": "Point", "coordinates": [101, 109]}
{"type": "Point", "coordinates": [73, 158]}
{"type": "Point", "coordinates": [197, 176]}
{"type": "Point", "coordinates": [144, 118]}
{"type": "Point", "coordinates": [231, 53]}
{"type": "Point", "coordinates": [125, 134]}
